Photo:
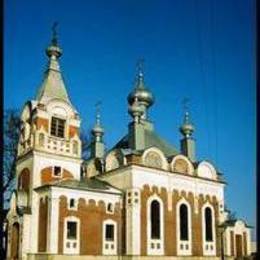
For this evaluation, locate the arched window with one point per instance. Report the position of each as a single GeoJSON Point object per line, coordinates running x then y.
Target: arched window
{"type": "Point", "coordinates": [155, 220]}
{"type": "Point", "coordinates": [24, 180]}
{"type": "Point", "coordinates": [208, 225]}
{"type": "Point", "coordinates": [184, 224]}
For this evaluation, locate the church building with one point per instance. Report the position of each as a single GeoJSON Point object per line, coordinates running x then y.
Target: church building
{"type": "Point", "coordinates": [141, 199]}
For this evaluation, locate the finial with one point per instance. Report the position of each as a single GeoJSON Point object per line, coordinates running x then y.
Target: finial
{"type": "Point", "coordinates": [54, 50]}
{"type": "Point", "coordinates": [140, 69]}
{"type": "Point", "coordinates": [97, 105]}
{"type": "Point", "coordinates": [54, 40]}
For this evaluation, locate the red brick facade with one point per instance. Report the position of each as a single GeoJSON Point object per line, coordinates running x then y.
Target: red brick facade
{"type": "Point", "coordinates": [170, 219]}
{"type": "Point", "coordinates": [47, 175]}
{"type": "Point", "coordinates": [91, 216]}
{"type": "Point", "coordinates": [43, 223]}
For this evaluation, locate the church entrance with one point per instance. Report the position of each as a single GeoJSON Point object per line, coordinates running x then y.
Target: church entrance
{"type": "Point", "coordinates": [15, 241]}
{"type": "Point", "coordinates": [239, 251]}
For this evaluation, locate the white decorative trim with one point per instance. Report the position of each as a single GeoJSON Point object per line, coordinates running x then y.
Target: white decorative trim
{"type": "Point", "coordinates": [53, 225]}
{"type": "Point", "coordinates": [184, 247]}
{"type": "Point", "coordinates": [209, 247]}
{"type": "Point", "coordinates": [207, 170]}
{"type": "Point", "coordinates": [155, 246]}
{"type": "Point", "coordinates": [71, 246]}
{"type": "Point", "coordinates": [109, 247]}
{"type": "Point", "coordinates": [133, 222]}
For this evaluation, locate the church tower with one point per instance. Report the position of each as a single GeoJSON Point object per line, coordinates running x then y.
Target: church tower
{"type": "Point", "coordinates": [49, 148]}
{"type": "Point", "coordinates": [187, 142]}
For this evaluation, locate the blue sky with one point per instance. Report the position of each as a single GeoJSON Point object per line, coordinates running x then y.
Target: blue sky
{"type": "Point", "coordinates": [203, 50]}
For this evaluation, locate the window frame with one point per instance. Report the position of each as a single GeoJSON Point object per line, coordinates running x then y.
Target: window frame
{"type": "Point", "coordinates": [67, 229]}
{"type": "Point", "coordinates": [208, 229]}
{"type": "Point", "coordinates": [53, 171]}
{"type": "Point", "coordinates": [57, 125]}
{"type": "Point", "coordinates": [184, 227]}
{"type": "Point", "coordinates": [155, 246]}
{"type": "Point", "coordinates": [155, 220]}
{"type": "Point", "coordinates": [112, 226]}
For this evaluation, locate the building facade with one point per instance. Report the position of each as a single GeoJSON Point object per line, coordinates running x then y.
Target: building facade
{"type": "Point", "coordinates": [141, 198]}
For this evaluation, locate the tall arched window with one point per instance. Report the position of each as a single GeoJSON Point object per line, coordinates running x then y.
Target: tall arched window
{"type": "Point", "coordinates": [208, 225]}
{"type": "Point", "coordinates": [155, 219]}
{"type": "Point", "coordinates": [184, 224]}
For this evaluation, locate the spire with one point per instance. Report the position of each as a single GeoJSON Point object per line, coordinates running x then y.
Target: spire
{"type": "Point", "coordinates": [141, 93]}
{"type": "Point", "coordinates": [187, 129]}
{"type": "Point", "coordinates": [140, 75]}
{"type": "Point", "coordinates": [53, 85]}
{"type": "Point", "coordinates": [97, 145]}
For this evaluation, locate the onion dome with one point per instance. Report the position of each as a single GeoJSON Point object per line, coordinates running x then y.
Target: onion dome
{"type": "Point", "coordinates": [140, 92]}
{"type": "Point", "coordinates": [187, 128]}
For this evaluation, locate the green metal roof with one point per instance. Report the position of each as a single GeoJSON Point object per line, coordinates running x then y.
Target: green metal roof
{"type": "Point", "coordinates": [152, 139]}
{"type": "Point", "coordinates": [84, 184]}
{"type": "Point", "coordinates": [53, 86]}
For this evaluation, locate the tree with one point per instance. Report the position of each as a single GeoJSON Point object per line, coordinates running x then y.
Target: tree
{"type": "Point", "coordinates": [11, 139]}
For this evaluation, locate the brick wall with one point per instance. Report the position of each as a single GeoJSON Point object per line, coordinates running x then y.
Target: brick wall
{"type": "Point", "coordinates": [47, 176]}
{"type": "Point", "coordinates": [170, 239]}
{"type": "Point", "coordinates": [91, 216]}
{"type": "Point", "coordinates": [43, 220]}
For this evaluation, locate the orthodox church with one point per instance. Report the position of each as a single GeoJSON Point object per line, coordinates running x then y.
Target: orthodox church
{"type": "Point", "coordinates": [143, 198]}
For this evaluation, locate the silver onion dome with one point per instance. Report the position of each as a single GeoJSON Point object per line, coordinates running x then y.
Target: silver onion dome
{"type": "Point", "coordinates": [141, 93]}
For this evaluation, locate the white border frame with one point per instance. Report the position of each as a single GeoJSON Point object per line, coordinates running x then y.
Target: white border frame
{"type": "Point", "coordinates": [150, 241]}
{"type": "Point", "coordinates": [188, 242]}
{"type": "Point", "coordinates": [109, 244]}
{"type": "Point", "coordinates": [207, 245]}
{"type": "Point", "coordinates": [71, 250]}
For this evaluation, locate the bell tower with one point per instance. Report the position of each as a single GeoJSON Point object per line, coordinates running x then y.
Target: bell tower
{"type": "Point", "coordinates": [49, 148]}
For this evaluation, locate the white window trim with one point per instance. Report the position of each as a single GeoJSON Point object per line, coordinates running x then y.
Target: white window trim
{"type": "Point", "coordinates": [61, 172]}
{"type": "Point", "coordinates": [188, 242]}
{"type": "Point", "coordinates": [71, 250]}
{"type": "Point", "coordinates": [150, 241]}
{"type": "Point", "coordinates": [109, 244]}
{"type": "Point", "coordinates": [209, 248]}
{"type": "Point", "coordinates": [113, 208]}
{"type": "Point", "coordinates": [75, 205]}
